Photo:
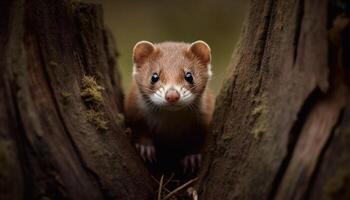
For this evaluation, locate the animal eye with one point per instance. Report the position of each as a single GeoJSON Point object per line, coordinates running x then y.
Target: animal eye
{"type": "Point", "coordinates": [189, 77]}
{"type": "Point", "coordinates": [154, 78]}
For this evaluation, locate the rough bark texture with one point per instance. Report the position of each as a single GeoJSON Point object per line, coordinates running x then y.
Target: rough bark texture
{"type": "Point", "coordinates": [61, 131]}
{"type": "Point", "coordinates": [280, 130]}
{"type": "Point", "coordinates": [278, 127]}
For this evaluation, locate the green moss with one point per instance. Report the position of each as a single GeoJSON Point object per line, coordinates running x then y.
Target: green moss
{"type": "Point", "coordinates": [65, 97]}
{"type": "Point", "coordinates": [258, 110]}
{"type": "Point", "coordinates": [66, 94]}
{"type": "Point", "coordinates": [260, 113]}
{"type": "Point", "coordinates": [259, 130]}
{"type": "Point", "coordinates": [91, 95]}
{"type": "Point", "coordinates": [91, 92]}
{"type": "Point", "coordinates": [227, 136]}
{"type": "Point", "coordinates": [97, 119]}
{"type": "Point", "coordinates": [120, 120]}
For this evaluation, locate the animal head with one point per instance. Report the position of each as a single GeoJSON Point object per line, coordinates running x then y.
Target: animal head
{"type": "Point", "coordinates": [171, 75]}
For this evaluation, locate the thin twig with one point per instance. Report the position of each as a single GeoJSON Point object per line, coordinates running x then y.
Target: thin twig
{"type": "Point", "coordinates": [155, 180]}
{"type": "Point", "coordinates": [160, 187]}
{"type": "Point", "coordinates": [168, 181]}
{"type": "Point", "coordinates": [179, 188]}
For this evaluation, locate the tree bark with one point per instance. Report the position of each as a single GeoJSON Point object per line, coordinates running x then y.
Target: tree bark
{"type": "Point", "coordinates": [62, 135]}
{"type": "Point", "coordinates": [280, 128]}
{"type": "Point", "coordinates": [278, 125]}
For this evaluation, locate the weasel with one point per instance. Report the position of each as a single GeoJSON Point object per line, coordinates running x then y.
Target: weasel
{"type": "Point", "coordinates": [169, 106]}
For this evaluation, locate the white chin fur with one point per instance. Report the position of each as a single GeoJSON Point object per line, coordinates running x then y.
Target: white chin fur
{"type": "Point", "coordinates": [158, 98]}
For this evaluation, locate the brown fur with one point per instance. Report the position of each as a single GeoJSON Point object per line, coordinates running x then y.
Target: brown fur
{"type": "Point", "coordinates": [171, 60]}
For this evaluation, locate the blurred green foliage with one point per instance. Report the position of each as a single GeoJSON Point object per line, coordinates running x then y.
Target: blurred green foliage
{"type": "Point", "coordinates": [216, 22]}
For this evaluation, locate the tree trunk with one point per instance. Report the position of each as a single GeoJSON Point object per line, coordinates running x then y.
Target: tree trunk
{"type": "Point", "coordinates": [61, 132]}
{"type": "Point", "coordinates": [278, 128]}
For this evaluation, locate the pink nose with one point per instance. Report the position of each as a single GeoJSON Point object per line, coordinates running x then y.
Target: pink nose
{"type": "Point", "coordinates": [172, 96]}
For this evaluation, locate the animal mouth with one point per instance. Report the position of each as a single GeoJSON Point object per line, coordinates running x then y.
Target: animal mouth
{"type": "Point", "coordinates": [173, 106]}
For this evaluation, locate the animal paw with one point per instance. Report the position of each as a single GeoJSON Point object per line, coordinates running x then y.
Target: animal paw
{"type": "Point", "coordinates": [147, 152]}
{"type": "Point", "coordinates": [192, 162]}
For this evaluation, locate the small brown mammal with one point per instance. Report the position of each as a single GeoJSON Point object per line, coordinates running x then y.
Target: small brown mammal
{"type": "Point", "coordinates": [169, 106]}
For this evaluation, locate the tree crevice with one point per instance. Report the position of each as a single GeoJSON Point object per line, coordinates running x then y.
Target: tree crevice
{"type": "Point", "coordinates": [321, 158]}
{"type": "Point", "coordinates": [294, 134]}
{"type": "Point", "coordinates": [54, 99]}
{"type": "Point", "coordinates": [298, 23]}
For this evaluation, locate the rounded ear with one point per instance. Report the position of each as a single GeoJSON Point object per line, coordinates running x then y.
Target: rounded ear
{"type": "Point", "coordinates": [201, 50]}
{"type": "Point", "coordinates": [142, 50]}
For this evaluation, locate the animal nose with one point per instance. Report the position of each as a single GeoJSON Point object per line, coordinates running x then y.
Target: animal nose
{"type": "Point", "coordinates": [172, 96]}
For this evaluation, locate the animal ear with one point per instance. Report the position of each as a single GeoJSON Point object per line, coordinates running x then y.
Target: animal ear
{"type": "Point", "coordinates": [201, 50]}
{"type": "Point", "coordinates": [142, 50]}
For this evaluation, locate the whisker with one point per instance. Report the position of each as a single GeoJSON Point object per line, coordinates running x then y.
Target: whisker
{"type": "Point", "coordinates": [151, 92]}
{"type": "Point", "coordinates": [160, 96]}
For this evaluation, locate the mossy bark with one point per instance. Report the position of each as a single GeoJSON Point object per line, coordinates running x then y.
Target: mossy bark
{"type": "Point", "coordinates": [48, 146]}
{"type": "Point", "coordinates": [278, 112]}
{"type": "Point", "coordinates": [280, 129]}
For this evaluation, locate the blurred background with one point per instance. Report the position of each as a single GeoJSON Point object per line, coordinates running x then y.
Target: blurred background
{"type": "Point", "coordinates": [216, 22]}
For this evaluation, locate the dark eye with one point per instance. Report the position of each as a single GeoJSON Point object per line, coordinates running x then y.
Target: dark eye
{"type": "Point", "coordinates": [154, 78]}
{"type": "Point", "coordinates": [189, 77]}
